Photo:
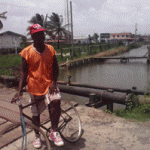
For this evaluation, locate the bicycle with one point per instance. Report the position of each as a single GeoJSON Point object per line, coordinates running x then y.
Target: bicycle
{"type": "Point", "coordinates": [69, 127]}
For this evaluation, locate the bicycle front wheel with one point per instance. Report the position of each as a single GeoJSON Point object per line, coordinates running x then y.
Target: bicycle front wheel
{"type": "Point", "coordinates": [11, 137]}
{"type": "Point", "coordinates": [70, 123]}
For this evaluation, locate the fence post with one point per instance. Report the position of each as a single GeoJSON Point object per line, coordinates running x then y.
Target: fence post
{"type": "Point", "coordinates": [71, 54]}
{"type": "Point", "coordinates": [148, 57]}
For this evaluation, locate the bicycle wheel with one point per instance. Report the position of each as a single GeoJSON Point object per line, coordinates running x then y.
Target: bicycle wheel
{"type": "Point", "coordinates": [11, 137]}
{"type": "Point", "coordinates": [69, 123]}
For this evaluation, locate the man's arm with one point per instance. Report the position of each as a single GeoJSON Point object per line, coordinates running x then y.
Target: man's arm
{"type": "Point", "coordinates": [55, 75]}
{"type": "Point", "coordinates": [55, 70]}
{"type": "Point", "coordinates": [23, 78]}
{"type": "Point", "coordinates": [23, 75]}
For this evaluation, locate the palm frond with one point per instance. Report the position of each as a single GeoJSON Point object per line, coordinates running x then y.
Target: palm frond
{"type": "Point", "coordinates": [2, 15]}
{"type": "Point", "coordinates": [39, 19]}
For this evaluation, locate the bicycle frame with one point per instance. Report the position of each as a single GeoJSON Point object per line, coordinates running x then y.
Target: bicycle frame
{"type": "Point", "coordinates": [40, 125]}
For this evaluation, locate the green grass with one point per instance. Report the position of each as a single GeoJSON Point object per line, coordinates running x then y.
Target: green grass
{"type": "Point", "coordinates": [9, 63]}
{"type": "Point", "coordinates": [139, 113]}
{"type": "Point", "coordinates": [137, 109]}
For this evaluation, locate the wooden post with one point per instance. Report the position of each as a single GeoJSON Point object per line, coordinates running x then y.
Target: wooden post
{"type": "Point", "coordinates": [148, 57]}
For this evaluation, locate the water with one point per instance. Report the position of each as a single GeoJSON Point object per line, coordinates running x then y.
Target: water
{"type": "Point", "coordinates": [112, 73]}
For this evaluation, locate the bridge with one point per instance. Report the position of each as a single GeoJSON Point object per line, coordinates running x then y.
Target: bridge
{"type": "Point", "coordinates": [122, 59]}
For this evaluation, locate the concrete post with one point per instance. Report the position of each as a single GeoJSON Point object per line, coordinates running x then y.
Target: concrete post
{"type": "Point", "coordinates": [148, 57]}
{"type": "Point", "coordinates": [92, 98]}
{"type": "Point", "coordinates": [110, 105]}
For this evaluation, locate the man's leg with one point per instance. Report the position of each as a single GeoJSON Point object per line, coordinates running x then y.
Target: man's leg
{"type": "Point", "coordinates": [54, 112]}
{"type": "Point", "coordinates": [36, 122]}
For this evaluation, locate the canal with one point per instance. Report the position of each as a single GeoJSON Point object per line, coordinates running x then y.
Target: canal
{"type": "Point", "coordinates": [112, 73]}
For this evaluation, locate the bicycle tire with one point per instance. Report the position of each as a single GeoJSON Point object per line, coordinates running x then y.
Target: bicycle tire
{"type": "Point", "coordinates": [70, 123]}
{"type": "Point", "coordinates": [15, 131]}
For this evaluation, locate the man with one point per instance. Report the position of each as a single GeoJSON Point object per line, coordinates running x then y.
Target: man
{"type": "Point", "coordinates": [40, 70]}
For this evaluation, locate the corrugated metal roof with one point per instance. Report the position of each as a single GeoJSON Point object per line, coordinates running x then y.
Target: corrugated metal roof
{"type": "Point", "coordinates": [11, 33]}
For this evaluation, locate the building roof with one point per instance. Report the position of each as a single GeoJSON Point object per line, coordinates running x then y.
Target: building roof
{"type": "Point", "coordinates": [11, 33]}
{"type": "Point", "coordinates": [120, 33]}
{"type": "Point", "coordinates": [128, 38]}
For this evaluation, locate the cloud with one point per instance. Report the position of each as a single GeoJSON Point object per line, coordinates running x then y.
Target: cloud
{"type": "Point", "coordinates": [83, 5]}
{"type": "Point", "coordinates": [89, 16]}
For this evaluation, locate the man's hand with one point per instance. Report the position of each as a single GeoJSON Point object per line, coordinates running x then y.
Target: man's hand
{"type": "Point", "coordinates": [16, 96]}
{"type": "Point", "coordinates": [53, 88]}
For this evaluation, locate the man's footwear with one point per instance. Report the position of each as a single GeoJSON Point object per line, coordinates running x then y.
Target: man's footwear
{"type": "Point", "coordinates": [56, 138]}
{"type": "Point", "coordinates": [37, 142]}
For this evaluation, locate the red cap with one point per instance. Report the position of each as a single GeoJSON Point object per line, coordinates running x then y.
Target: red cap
{"type": "Point", "coordinates": [36, 28]}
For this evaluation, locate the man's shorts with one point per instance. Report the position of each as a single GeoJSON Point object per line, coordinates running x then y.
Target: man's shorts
{"type": "Point", "coordinates": [38, 108]}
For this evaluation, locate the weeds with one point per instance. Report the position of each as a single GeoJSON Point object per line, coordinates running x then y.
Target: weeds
{"type": "Point", "coordinates": [139, 112]}
{"type": "Point", "coordinates": [133, 110]}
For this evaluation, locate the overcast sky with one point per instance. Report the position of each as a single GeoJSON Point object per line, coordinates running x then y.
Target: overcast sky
{"type": "Point", "coordinates": [89, 16]}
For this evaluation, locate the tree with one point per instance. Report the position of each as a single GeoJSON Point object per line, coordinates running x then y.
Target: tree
{"type": "Point", "coordinates": [95, 37]}
{"type": "Point", "coordinates": [89, 38]}
{"type": "Point", "coordinates": [2, 15]}
{"type": "Point", "coordinates": [55, 26]}
{"type": "Point", "coordinates": [39, 19]}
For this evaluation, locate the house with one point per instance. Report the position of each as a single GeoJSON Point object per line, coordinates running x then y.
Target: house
{"type": "Point", "coordinates": [104, 37]}
{"type": "Point", "coordinates": [81, 40]}
{"type": "Point", "coordinates": [10, 40]}
{"type": "Point", "coordinates": [124, 37]}
{"type": "Point", "coordinates": [144, 38]}
{"type": "Point", "coordinates": [116, 37]}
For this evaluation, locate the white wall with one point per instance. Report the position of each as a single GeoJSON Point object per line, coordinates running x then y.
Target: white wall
{"type": "Point", "coordinates": [8, 41]}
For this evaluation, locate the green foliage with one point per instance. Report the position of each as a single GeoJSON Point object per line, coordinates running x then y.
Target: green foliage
{"type": "Point", "coordinates": [139, 113]}
{"type": "Point", "coordinates": [108, 111]}
{"type": "Point", "coordinates": [9, 63]}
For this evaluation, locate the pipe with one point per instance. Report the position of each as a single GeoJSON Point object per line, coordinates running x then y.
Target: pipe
{"type": "Point", "coordinates": [105, 88]}
{"type": "Point", "coordinates": [103, 96]}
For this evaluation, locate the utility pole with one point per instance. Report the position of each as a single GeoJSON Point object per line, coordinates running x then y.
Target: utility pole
{"type": "Point", "coordinates": [67, 15]}
{"type": "Point", "coordinates": [72, 30]}
{"type": "Point", "coordinates": [136, 31]}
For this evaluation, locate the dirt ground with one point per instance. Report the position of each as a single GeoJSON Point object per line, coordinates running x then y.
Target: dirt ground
{"type": "Point", "coordinates": [104, 131]}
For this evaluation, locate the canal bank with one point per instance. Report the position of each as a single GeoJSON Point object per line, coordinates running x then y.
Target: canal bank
{"type": "Point", "coordinates": [93, 58]}
{"type": "Point", "coordinates": [86, 60]}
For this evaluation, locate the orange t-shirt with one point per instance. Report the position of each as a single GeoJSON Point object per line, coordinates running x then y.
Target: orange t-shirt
{"type": "Point", "coordinates": [40, 71]}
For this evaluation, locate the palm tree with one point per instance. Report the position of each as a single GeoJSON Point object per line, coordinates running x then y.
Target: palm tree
{"type": "Point", "coordinates": [2, 15]}
{"type": "Point", "coordinates": [55, 26]}
{"type": "Point", "coordinates": [89, 39]}
{"type": "Point", "coordinates": [39, 19]}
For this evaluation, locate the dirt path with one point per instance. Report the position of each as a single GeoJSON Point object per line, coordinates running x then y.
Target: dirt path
{"type": "Point", "coordinates": [103, 131]}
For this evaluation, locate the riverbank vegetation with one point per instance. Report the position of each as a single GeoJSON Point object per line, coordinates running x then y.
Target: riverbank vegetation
{"type": "Point", "coordinates": [10, 63]}
{"type": "Point", "coordinates": [140, 112]}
